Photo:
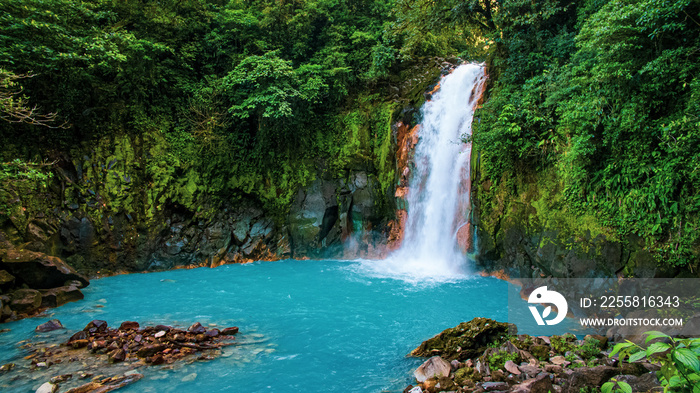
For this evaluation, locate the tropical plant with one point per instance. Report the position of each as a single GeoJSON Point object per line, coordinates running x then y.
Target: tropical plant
{"type": "Point", "coordinates": [679, 359]}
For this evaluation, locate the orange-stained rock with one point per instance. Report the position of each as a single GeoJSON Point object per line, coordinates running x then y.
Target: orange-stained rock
{"type": "Point", "coordinates": [464, 237]}
{"type": "Point", "coordinates": [401, 192]}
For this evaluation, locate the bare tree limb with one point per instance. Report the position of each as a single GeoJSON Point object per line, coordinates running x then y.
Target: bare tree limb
{"type": "Point", "coordinates": [14, 107]}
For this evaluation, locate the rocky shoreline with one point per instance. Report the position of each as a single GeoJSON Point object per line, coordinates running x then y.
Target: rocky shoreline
{"type": "Point", "coordinates": [481, 356]}
{"type": "Point", "coordinates": [101, 359]}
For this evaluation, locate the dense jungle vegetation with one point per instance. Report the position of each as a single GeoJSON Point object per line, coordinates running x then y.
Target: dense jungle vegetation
{"type": "Point", "coordinates": [604, 95]}
{"type": "Point", "coordinates": [251, 98]}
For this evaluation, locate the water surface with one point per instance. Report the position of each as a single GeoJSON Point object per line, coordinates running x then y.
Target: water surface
{"type": "Point", "coordinates": [315, 326]}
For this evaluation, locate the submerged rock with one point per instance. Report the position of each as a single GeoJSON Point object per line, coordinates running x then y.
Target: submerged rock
{"type": "Point", "coordinates": [51, 325]}
{"type": "Point", "coordinates": [229, 331]}
{"type": "Point", "coordinates": [107, 384]}
{"type": "Point", "coordinates": [47, 387]}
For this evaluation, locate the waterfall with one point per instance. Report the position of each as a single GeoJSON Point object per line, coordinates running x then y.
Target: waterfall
{"type": "Point", "coordinates": [439, 186]}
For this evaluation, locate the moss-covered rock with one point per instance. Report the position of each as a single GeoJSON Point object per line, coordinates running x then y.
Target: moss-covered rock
{"type": "Point", "coordinates": [465, 341]}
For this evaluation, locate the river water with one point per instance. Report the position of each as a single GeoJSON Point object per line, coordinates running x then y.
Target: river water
{"type": "Point", "coordinates": [309, 326]}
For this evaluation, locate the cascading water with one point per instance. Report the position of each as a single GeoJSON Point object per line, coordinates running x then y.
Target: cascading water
{"type": "Point", "coordinates": [438, 198]}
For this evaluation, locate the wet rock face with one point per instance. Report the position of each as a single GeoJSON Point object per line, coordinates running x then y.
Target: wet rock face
{"type": "Point", "coordinates": [328, 213]}
{"type": "Point", "coordinates": [107, 221]}
{"type": "Point", "coordinates": [523, 242]}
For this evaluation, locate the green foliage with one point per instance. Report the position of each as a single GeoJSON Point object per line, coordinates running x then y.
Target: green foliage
{"type": "Point", "coordinates": [679, 360]}
{"type": "Point", "coordinates": [221, 100]}
{"type": "Point", "coordinates": [20, 170]}
{"type": "Point", "coordinates": [604, 93]}
{"type": "Point", "coordinates": [615, 386]}
{"type": "Point", "coordinates": [20, 180]}
{"type": "Point", "coordinates": [590, 349]}
{"type": "Point", "coordinates": [498, 360]}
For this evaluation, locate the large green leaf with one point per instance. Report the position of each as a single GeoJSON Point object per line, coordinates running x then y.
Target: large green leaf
{"type": "Point", "coordinates": [687, 358]}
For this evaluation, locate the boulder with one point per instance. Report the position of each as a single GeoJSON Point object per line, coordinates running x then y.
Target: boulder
{"type": "Point", "coordinates": [465, 341]}
{"type": "Point", "coordinates": [55, 297]}
{"type": "Point", "coordinates": [644, 383]}
{"type": "Point", "coordinates": [25, 300]}
{"type": "Point", "coordinates": [433, 367]}
{"type": "Point", "coordinates": [40, 270]}
{"type": "Point", "coordinates": [51, 325]}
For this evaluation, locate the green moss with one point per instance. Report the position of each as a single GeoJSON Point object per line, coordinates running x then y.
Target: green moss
{"type": "Point", "coordinates": [541, 352]}
{"type": "Point", "coordinates": [563, 344]}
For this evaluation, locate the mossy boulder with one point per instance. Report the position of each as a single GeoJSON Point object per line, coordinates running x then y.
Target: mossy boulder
{"type": "Point", "coordinates": [465, 341]}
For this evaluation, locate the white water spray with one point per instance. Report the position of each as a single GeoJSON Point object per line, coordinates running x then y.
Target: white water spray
{"type": "Point", "coordinates": [438, 196]}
